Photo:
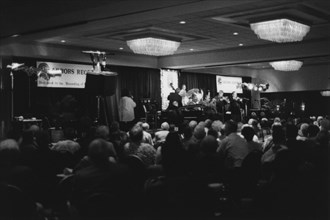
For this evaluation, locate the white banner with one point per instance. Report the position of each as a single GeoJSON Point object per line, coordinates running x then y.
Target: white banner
{"type": "Point", "coordinates": [229, 84]}
{"type": "Point", "coordinates": [73, 75]}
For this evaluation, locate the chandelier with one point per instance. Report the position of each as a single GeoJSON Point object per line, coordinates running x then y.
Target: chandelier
{"type": "Point", "coordinates": [288, 65]}
{"type": "Point", "coordinates": [153, 46]}
{"type": "Point", "coordinates": [325, 93]}
{"type": "Point", "coordinates": [280, 30]}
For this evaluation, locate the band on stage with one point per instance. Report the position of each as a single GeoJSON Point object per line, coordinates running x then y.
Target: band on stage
{"type": "Point", "coordinates": [219, 106]}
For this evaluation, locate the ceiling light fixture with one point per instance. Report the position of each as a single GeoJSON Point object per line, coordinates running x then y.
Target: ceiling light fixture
{"type": "Point", "coordinates": [280, 30]}
{"type": "Point", "coordinates": [182, 22]}
{"type": "Point", "coordinates": [63, 41]}
{"type": "Point", "coordinates": [153, 46]}
{"type": "Point", "coordinates": [235, 33]}
{"type": "Point", "coordinates": [325, 93]}
{"type": "Point", "coordinates": [240, 45]}
{"type": "Point", "coordinates": [287, 65]}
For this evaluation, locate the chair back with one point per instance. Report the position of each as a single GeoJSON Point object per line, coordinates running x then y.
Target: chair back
{"type": "Point", "coordinates": [14, 204]}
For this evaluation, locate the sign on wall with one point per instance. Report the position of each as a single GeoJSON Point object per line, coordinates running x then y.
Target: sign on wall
{"type": "Point", "coordinates": [73, 75]}
{"type": "Point", "coordinates": [229, 84]}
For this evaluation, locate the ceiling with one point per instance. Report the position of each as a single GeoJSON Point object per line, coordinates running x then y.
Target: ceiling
{"type": "Point", "coordinates": [209, 28]}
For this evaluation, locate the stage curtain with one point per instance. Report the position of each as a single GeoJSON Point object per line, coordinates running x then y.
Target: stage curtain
{"type": "Point", "coordinates": [142, 82]}
{"type": "Point", "coordinates": [199, 80]}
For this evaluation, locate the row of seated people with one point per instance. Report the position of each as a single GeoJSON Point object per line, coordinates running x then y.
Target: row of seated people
{"type": "Point", "coordinates": [281, 167]}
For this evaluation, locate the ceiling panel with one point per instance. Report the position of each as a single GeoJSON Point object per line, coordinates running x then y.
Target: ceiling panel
{"type": "Point", "coordinates": [104, 25]}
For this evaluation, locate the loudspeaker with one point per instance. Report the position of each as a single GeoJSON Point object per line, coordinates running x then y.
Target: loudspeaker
{"type": "Point", "coordinates": [101, 85]}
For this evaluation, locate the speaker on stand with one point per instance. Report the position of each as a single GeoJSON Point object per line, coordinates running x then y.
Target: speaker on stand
{"type": "Point", "coordinates": [101, 86]}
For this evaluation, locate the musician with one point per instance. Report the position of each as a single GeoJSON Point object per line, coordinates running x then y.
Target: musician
{"type": "Point", "coordinates": [183, 91]}
{"type": "Point", "coordinates": [221, 103]}
{"type": "Point", "coordinates": [175, 100]}
{"type": "Point", "coordinates": [209, 105]}
{"type": "Point", "coordinates": [183, 94]}
{"type": "Point", "coordinates": [175, 114]}
{"type": "Point", "coordinates": [235, 107]}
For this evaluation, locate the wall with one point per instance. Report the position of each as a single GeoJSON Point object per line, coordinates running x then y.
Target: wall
{"type": "Point", "coordinates": [308, 78]}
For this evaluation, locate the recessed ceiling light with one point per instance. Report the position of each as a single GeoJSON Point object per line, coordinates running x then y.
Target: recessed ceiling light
{"type": "Point", "coordinates": [235, 33]}
{"type": "Point", "coordinates": [182, 22]}
{"type": "Point", "coordinates": [15, 35]}
{"type": "Point", "coordinates": [240, 45]}
{"type": "Point", "coordinates": [191, 49]}
{"type": "Point", "coordinates": [63, 41]}
{"type": "Point", "coordinates": [121, 48]}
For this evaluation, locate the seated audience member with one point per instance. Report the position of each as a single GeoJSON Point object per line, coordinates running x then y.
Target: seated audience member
{"type": "Point", "coordinates": [102, 176]}
{"type": "Point", "coordinates": [323, 137]}
{"type": "Point", "coordinates": [192, 124]}
{"type": "Point", "coordinates": [208, 123]}
{"type": "Point", "coordinates": [217, 125]}
{"type": "Point", "coordinates": [87, 161]}
{"type": "Point", "coordinates": [256, 127]}
{"type": "Point", "coordinates": [194, 142]}
{"type": "Point", "coordinates": [103, 132]}
{"type": "Point", "coordinates": [278, 139]}
{"type": "Point", "coordinates": [302, 133]}
{"type": "Point", "coordinates": [187, 134]}
{"type": "Point", "coordinates": [312, 131]}
{"type": "Point", "coordinates": [209, 167]}
{"type": "Point", "coordinates": [66, 151]}
{"type": "Point", "coordinates": [265, 128]}
{"type": "Point", "coordinates": [146, 135]}
{"type": "Point", "coordinates": [118, 138]}
{"type": "Point", "coordinates": [174, 157]}
{"type": "Point", "coordinates": [14, 174]}
{"type": "Point", "coordinates": [248, 133]}
{"type": "Point", "coordinates": [28, 144]}
{"type": "Point", "coordinates": [137, 147]}
{"type": "Point", "coordinates": [233, 147]}
{"type": "Point", "coordinates": [160, 136]}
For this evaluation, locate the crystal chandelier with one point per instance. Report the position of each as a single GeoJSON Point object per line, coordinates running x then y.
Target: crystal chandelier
{"type": "Point", "coordinates": [288, 65]}
{"type": "Point", "coordinates": [153, 46]}
{"type": "Point", "coordinates": [325, 93]}
{"type": "Point", "coordinates": [280, 30]}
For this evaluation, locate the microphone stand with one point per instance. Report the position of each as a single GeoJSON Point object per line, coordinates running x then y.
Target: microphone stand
{"type": "Point", "coordinates": [12, 95]}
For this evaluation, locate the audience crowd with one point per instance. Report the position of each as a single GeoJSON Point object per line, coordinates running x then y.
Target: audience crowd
{"type": "Point", "coordinates": [260, 168]}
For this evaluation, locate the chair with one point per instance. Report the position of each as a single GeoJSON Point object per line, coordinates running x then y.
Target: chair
{"type": "Point", "coordinates": [100, 206]}
{"type": "Point", "coordinates": [15, 205]}
{"type": "Point", "coordinates": [251, 171]}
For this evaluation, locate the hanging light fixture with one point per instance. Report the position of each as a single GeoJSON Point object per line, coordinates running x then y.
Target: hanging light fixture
{"type": "Point", "coordinates": [325, 93]}
{"type": "Point", "coordinates": [153, 46]}
{"type": "Point", "coordinates": [280, 30]}
{"type": "Point", "coordinates": [287, 65]}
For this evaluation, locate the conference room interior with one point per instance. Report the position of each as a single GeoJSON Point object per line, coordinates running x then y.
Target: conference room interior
{"type": "Point", "coordinates": [217, 48]}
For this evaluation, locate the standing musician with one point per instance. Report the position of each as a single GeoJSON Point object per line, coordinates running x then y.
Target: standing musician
{"type": "Point", "coordinates": [209, 105]}
{"type": "Point", "coordinates": [235, 107]}
{"type": "Point", "coordinates": [175, 102]}
{"type": "Point", "coordinates": [183, 94]}
{"type": "Point", "coordinates": [221, 103]}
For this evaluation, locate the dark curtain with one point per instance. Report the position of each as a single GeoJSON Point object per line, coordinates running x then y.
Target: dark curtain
{"type": "Point", "coordinates": [144, 83]}
{"type": "Point", "coordinates": [33, 101]}
{"type": "Point", "coordinates": [207, 82]}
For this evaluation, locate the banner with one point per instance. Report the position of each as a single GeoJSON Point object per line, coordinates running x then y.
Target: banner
{"type": "Point", "coordinates": [229, 84]}
{"type": "Point", "coordinates": [73, 75]}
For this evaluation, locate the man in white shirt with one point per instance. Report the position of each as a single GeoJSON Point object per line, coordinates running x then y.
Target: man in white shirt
{"type": "Point", "coordinates": [126, 109]}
